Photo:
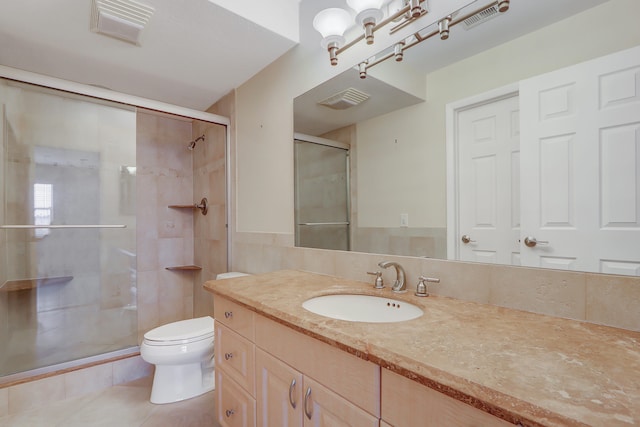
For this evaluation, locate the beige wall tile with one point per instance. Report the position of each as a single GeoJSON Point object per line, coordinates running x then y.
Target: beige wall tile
{"type": "Point", "coordinates": [88, 380]}
{"type": "Point", "coordinates": [319, 260]}
{"type": "Point", "coordinates": [29, 395]}
{"type": "Point", "coordinates": [170, 296]}
{"type": "Point", "coordinates": [130, 369]}
{"type": "Point", "coordinates": [460, 280]}
{"type": "Point", "coordinates": [557, 293]}
{"type": "Point", "coordinates": [597, 298]}
{"type": "Point", "coordinates": [148, 307]}
{"type": "Point", "coordinates": [613, 301]}
{"type": "Point", "coordinates": [355, 265]}
{"type": "Point", "coordinates": [147, 254]}
{"type": "Point", "coordinates": [292, 258]}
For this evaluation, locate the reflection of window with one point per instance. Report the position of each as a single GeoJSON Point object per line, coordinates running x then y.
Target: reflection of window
{"type": "Point", "coordinates": [42, 207]}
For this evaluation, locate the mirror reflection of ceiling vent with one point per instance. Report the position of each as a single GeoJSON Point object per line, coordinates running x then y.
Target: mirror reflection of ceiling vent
{"type": "Point", "coordinates": [480, 17]}
{"type": "Point", "coordinates": [122, 19]}
{"type": "Point", "coordinates": [346, 99]}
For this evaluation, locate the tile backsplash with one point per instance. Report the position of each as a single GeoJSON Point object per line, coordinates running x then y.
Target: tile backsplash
{"type": "Point", "coordinates": [597, 298]}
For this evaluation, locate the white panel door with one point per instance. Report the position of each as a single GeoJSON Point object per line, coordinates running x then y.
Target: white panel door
{"type": "Point", "coordinates": [580, 169]}
{"type": "Point", "coordinates": [488, 164]}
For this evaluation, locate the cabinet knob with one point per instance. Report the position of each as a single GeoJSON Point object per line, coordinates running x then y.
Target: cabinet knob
{"type": "Point", "coordinates": [228, 314]}
{"type": "Point", "coordinates": [228, 356]}
{"type": "Point", "coordinates": [229, 412]}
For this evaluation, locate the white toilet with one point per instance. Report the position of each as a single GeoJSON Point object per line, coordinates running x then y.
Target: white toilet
{"type": "Point", "coordinates": [183, 354]}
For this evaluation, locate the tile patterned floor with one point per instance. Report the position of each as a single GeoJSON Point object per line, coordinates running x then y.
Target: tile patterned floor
{"type": "Point", "coordinates": [124, 405]}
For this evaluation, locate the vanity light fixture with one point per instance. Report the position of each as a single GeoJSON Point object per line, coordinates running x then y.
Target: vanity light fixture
{"type": "Point", "coordinates": [367, 14]}
{"type": "Point", "coordinates": [362, 69]}
{"type": "Point", "coordinates": [443, 27]}
{"type": "Point", "coordinates": [398, 51]}
{"type": "Point", "coordinates": [503, 5]}
{"type": "Point", "coordinates": [333, 22]}
{"type": "Point", "coordinates": [415, 8]}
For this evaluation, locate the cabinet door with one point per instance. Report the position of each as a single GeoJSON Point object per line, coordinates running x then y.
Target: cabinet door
{"type": "Point", "coordinates": [324, 408]}
{"type": "Point", "coordinates": [278, 392]}
{"type": "Point", "coordinates": [234, 406]}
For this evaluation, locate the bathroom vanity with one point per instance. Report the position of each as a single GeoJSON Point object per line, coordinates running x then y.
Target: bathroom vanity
{"type": "Point", "coordinates": [459, 364]}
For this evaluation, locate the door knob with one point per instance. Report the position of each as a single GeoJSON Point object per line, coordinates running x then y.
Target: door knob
{"type": "Point", "coordinates": [532, 241]}
{"type": "Point", "coordinates": [467, 239]}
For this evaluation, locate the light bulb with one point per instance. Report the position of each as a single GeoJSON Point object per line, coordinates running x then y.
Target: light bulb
{"type": "Point", "coordinates": [332, 22]}
{"type": "Point", "coordinates": [368, 13]}
{"type": "Point", "coordinates": [360, 5]}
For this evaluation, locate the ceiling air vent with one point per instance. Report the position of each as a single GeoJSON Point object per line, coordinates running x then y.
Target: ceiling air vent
{"type": "Point", "coordinates": [481, 17]}
{"type": "Point", "coordinates": [346, 99]}
{"type": "Point", "coordinates": [122, 19]}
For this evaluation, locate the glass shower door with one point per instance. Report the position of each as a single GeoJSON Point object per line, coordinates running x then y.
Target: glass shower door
{"type": "Point", "coordinates": [321, 196]}
{"type": "Point", "coordinates": [67, 227]}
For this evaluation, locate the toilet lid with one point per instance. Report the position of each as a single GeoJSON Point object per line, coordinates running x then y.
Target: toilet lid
{"type": "Point", "coordinates": [189, 329]}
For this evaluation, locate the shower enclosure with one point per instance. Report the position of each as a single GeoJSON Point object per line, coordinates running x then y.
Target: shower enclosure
{"type": "Point", "coordinates": [322, 207]}
{"type": "Point", "coordinates": [67, 227]}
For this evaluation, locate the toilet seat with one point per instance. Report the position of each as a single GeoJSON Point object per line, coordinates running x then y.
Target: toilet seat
{"type": "Point", "coordinates": [181, 332]}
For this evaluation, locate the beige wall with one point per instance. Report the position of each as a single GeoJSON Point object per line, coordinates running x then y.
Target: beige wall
{"type": "Point", "coordinates": [263, 185]}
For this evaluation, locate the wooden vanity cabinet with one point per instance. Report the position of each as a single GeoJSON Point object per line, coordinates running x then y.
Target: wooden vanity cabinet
{"type": "Point", "coordinates": [264, 371]}
{"type": "Point", "coordinates": [406, 403]}
{"type": "Point", "coordinates": [256, 361]}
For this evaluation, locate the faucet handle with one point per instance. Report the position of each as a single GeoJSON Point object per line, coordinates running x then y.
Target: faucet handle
{"type": "Point", "coordinates": [379, 284]}
{"type": "Point", "coordinates": [421, 288]}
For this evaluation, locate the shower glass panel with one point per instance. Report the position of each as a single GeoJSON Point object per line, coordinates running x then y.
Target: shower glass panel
{"type": "Point", "coordinates": [67, 227]}
{"type": "Point", "coordinates": [322, 196]}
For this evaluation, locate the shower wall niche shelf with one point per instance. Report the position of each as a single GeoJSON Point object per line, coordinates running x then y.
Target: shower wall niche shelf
{"type": "Point", "coordinates": [28, 284]}
{"type": "Point", "coordinates": [203, 206]}
{"type": "Point", "coordinates": [184, 268]}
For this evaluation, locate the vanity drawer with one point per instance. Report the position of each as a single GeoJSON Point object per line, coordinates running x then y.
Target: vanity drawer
{"type": "Point", "coordinates": [233, 315]}
{"type": "Point", "coordinates": [234, 406]}
{"type": "Point", "coordinates": [404, 401]}
{"type": "Point", "coordinates": [235, 355]}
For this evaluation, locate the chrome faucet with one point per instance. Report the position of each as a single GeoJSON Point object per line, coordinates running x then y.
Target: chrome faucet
{"type": "Point", "coordinates": [399, 285]}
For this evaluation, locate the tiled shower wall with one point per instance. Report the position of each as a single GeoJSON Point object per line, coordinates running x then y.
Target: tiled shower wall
{"type": "Point", "coordinates": [164, 235]}
{"type": "Point", "coordinates": [168, 173]}
{"type": "Point", "coordinates": [210, 230]}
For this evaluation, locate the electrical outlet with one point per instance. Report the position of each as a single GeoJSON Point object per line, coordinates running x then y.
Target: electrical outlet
{"type": "Point", "coordinates": [404, 220]}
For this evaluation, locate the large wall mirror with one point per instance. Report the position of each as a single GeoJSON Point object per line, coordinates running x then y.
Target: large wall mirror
{"type": "Point", "coordinates": [495, 76]}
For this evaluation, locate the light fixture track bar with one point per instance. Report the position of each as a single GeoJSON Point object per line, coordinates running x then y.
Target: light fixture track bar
{"type": "Point", "coordinates": [379, 25]}
{"type": "Point", "coordinates": [419, 39]}
{"type": "Point", "coordinates": [405, 23]}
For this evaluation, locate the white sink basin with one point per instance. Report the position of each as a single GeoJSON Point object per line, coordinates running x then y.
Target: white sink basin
{"type": "Point", "coordinates": [362, 308]}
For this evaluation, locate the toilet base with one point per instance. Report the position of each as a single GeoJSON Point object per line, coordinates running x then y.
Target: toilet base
{"type": "Point", "coordinates": [173, 383]}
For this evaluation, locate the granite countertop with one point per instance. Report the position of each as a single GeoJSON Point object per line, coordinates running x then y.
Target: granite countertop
{"type": "Point", "coordinates": [523, 367]}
